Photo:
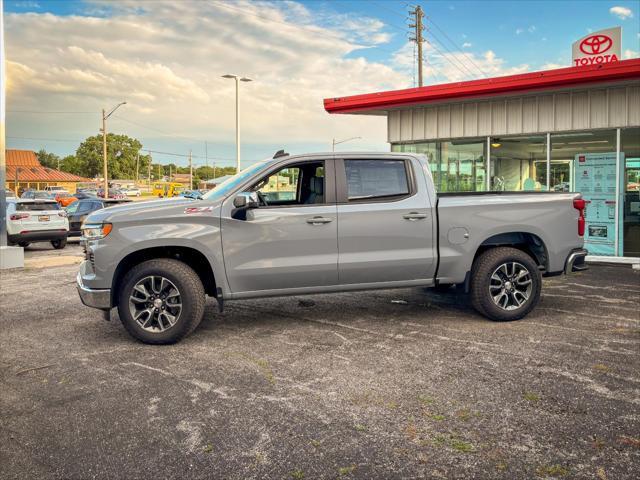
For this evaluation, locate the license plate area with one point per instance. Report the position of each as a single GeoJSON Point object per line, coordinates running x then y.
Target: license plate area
{"type": "Point", "coordinates": [43, 218]}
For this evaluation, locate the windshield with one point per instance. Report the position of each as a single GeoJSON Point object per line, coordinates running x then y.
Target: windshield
{"type": "Point", "coordinates": [230, 184]}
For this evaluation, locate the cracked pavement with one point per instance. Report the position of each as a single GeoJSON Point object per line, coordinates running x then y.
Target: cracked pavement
{"type": "Point", "coordinates": [352, 385]}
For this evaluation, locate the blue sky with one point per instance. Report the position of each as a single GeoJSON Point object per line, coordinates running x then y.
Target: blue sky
{"type": "Point", "coordinates": [60, 52]}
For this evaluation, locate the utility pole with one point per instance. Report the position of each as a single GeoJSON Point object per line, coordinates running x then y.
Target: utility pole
{"type": "Point", "coordinates": [190, 172]}
{"type": "Point", "coordinates": [159, 172]}
{"type": "Point", "coordinates": [137, 166]}
{"type": "Point", "coordinates": [149, 175]}
{"type": "Point", "coordinates": [418, 15]}
{"type": "Point", "coordinates": [106, 115]}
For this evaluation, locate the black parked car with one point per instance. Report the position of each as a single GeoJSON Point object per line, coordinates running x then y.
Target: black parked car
{"type": "Point", "coordinates": [79, 210]}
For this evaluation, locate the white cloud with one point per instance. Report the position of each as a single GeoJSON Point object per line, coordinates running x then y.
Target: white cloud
{"type": "Point", "coordinates": [519, 31]}
{"type": "Point", "coordinates": [628, 53]}
{"type": "Point", "coordinates": [531, 29]}
{"type": "Point", "coordinates": [166, 58]}
{"type": "Point", "coordinates": [621, 12]}
{"type": "Point", "coordinates": [467, 45]}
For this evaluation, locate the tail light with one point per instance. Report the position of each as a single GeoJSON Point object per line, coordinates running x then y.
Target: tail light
{"type": "Point", "coordinates": [19, 216]}
{"type": "Point", "coordinates": [579, 204]}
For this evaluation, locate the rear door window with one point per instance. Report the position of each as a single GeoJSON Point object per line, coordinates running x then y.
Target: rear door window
{"type": "Point", "coordinates": [372, 179]}
{"type": "Point", "coordinates": [37, 206]}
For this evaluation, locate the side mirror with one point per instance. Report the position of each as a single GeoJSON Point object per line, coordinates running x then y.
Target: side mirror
{"type": "Point", "coordinates": [246, 200]}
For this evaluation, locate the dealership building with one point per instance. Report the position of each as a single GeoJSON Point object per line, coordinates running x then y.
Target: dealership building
{"type": "Point", "coordinates": [569, 129]}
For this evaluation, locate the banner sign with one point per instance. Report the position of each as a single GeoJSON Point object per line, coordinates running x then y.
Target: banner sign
{"type": "Point", "coordinates": [595, 178]}
{"type": "Point", "coordinates": [598, 47]}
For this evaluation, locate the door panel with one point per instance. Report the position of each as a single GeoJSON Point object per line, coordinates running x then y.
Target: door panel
{"type": "Point", "coordinates": [384, 240]}
{"type": "Point", "coordinates": [282, 247]}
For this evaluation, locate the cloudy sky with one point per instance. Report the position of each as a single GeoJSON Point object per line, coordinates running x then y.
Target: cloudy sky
{"type": "Point", "coordinates": [69, 59]}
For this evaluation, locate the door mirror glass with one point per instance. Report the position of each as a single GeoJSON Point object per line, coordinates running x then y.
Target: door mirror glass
{"type": "Point", "coordinates": [246, 200]}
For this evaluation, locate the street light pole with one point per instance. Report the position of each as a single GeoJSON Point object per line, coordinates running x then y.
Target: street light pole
{"type": "Point", "coordinates": [104, 146]}
{"type": "Point", "coordinates": [334, 143]}
{"type": "Point", "coordinates": [238, 80]}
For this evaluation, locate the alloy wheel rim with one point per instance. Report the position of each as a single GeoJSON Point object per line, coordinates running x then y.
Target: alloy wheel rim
{"type": "Point", "coordinates": [510, 286]}
{"type": "Point", "coordinates": [155, 304]}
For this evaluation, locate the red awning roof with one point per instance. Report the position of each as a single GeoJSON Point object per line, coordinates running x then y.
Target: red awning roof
{"type": "Point", "coordinates": [30, 169]}
{"type": "Point", "coordinates": [486, 87]}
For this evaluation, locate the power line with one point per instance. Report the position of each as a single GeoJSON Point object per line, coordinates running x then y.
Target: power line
{"type": "Point", "coordinates": [429, 19]}
{"type": "Point", "coordinates": [52, 112]}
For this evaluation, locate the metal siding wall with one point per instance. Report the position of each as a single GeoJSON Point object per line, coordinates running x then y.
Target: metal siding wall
{"type": "Point", "coordinates": [431, 123]}
{"type": "Point", "coordinates": [633, 106]}
{"type": "Point", "coordinates": [514, 115]}
{"type": "Point", "coordinates": [393, 125]}
{"type": "Point", "coordinates": [405, 125]}
{"type": "Point", "coordinates": [444, 121]}
{"type": "Point", "coordinates": [545, 113]}
{"type": "Point", "coordinates": [499, 117]}
{"type": "Point", "coordinates": [529, 114]}
{"type": "Point", "coordinates": [457, 120]}
{"type": "Point", "coordinates": [484, 118]}
{"type": "Point", "coordinates": [580, 110]}
{"type": "Point", "coordinates": [617, 106]}
{"type": "Point", "coordinates": [563, 111]}
{"type": "Point", "coordinates": [417, 131]}
{"type": "Point", "coordinates": [470, 119]}
{"type": "Point", "coordinates": [598, 109]}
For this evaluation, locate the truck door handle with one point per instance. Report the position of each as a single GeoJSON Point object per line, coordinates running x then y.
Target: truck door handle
{"type": "Point", "coordinates": [413, 216]}
{"type": "Point", "coordinates": [318, 220]}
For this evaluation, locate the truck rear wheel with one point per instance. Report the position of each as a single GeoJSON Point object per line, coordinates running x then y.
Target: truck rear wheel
{"type": "Point", "coordinates": [161, 301]}
{"type": "Point", "coordinates": [505, 284]}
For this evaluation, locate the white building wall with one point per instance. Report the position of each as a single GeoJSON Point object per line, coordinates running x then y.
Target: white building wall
{"type": "Point", "coordinates": [585, 109]}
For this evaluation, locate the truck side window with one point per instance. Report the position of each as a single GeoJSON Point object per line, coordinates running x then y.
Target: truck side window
{"type": "Point", "coordinates": [370, 179]}
{"type": "Point", "coordinates": [299, 184]}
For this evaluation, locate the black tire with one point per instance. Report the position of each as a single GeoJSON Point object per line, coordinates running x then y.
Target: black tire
{"type": "Point", "coordinates": [192, 299]}
{"type": "Point", "coordinates": [24, 244]}
{"type": "Point", "coordinates": [59, 244]}
{"type": "Point", "coordinates": [481, 279]}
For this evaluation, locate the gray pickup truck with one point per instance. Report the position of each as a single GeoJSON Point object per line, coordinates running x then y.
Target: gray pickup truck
{"type": "Point", "coordinates": [302, 224]}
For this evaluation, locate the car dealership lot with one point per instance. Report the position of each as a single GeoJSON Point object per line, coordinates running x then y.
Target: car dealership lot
{"type": "Point", "coordinates": [397, 384]}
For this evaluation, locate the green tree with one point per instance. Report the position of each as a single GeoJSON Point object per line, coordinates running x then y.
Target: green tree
{"type": "Point", "coordinates": [71, 164]}
{"type": "Point", "coordinates": [48, 159]}
{"type": "Point", "coordinates": [122, 154]}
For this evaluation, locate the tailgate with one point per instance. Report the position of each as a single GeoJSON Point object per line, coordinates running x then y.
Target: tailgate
{"type": "Point", "coordinates": [40, 216]}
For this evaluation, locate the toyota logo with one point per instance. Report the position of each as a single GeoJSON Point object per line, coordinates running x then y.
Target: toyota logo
{"type": "Point", "coordinates": [595, 44]}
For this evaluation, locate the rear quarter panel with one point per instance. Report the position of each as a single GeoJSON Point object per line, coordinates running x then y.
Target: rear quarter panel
{"type": "Point", "coordinates": [550, 216]}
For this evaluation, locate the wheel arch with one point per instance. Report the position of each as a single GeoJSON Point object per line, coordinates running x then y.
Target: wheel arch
{"type": "Point", "coordinates": [188, 255]}
{"type": "Point", "coordinates": [528, 242]}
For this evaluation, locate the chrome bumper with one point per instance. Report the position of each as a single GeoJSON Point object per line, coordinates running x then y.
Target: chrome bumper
{"type": "Point", "coordinates": [576, 261]}
{"type": "Point", "coordinates": [95, 298]}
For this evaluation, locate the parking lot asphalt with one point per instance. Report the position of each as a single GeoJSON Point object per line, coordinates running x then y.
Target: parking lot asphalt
{"type": "Point", "coordinates": [387, 384]}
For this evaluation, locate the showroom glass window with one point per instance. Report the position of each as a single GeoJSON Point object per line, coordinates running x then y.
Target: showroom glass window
{"type": "Point", "coordinates": [518, 163]}
{"type": "Point", "coordinates": [630, 222]}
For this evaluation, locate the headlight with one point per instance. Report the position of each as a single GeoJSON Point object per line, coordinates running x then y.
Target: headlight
{"type": "Point", "coordinates": [96, 231]}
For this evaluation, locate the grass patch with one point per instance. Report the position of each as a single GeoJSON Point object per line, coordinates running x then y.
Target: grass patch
{"type": "Point", "coordinates": [360, 428]}
{"type": "Point", "coordinates": [552, 471]}
{"type": "Point", "coordinates": [297, 474]}
{"type": "Point", "coordinates": [342, 471]}
{"type": "Point", "coordinates": [531, 397]}
{"type": "Point", "coordinates": [315, 443]}
{"type": "Point", "coordinates": [425, 399]}
{"type": "Point", "coordinates": [601, 367]}
{"type": "Point", "coordinates": [461, 445]}
{"type": "Point", "coordinates": [208, 448]}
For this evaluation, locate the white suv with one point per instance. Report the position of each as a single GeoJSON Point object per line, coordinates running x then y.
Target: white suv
{"type": "Point", "coordinates": [36, 221]}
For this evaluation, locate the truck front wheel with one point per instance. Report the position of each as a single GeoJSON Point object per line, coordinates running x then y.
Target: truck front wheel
{"type": "Point", "coordinates": [161, 301]}
{"type": "Point", "coordinates": [505, 284]}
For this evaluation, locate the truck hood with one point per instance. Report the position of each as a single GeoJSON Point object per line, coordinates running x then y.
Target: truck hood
{"type": "Point", "coordinates": [146, 210]}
